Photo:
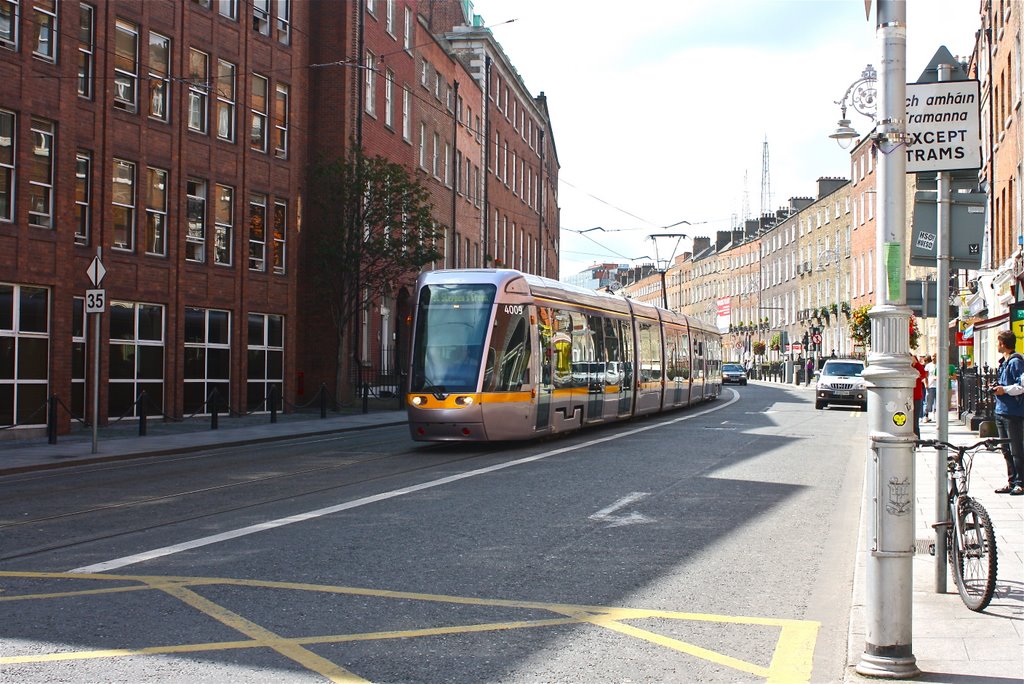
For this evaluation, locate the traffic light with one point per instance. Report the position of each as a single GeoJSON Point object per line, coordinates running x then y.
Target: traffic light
{"type": "Point", "coordinates": [807, 340]}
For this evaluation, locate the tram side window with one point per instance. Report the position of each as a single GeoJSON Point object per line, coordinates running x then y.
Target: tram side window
{"type": "Point", "coordinates": [508, 358]}
{"type": "Point", "coordinates": [683, 361]}
{"type": "Point", "coordinates": [650, 352]}
{"type": "Point", "coordinates": [626, 337]}
{"type": "Point", "coordinates": [673, 356]}
{"type": "Point", "coordinates": [561, 348]}
{"type": "Point", "coordinates": [698, 358]}
{"type": "Point", "coordinates": [582, 351]}
{"type": "Point", "coordinates": [615, 370]}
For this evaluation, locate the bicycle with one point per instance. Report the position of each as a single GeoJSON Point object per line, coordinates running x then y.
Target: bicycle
{"type": "Point", "coordinates": [970, 539]}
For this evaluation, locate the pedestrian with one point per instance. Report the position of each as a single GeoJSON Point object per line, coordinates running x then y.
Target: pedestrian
{"type": "Point", "coordinates": [930, 388]}
{"type": "Point", "coordinates": [919, 394]}
{"type": "Point", "coordinates": [810, 369]}
{"type": "Point", "coordinates": [1010, 412]}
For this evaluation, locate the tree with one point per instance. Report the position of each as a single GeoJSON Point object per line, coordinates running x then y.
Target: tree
{"type": "Point", "coordinates": [372, 229]}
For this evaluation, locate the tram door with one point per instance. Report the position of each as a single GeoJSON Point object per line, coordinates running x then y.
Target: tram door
{"type": "Point", "coordinates": [624, 348]}
{"type": "Point", "coordinates": [545, 384]}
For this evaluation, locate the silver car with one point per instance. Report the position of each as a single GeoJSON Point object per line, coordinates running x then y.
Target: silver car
{"type": "Point", "coordinates": [733, 372]}
{"type": "Point", "coordinates": [841, 382]}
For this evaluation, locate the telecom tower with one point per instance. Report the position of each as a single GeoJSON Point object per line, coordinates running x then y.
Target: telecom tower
{"type": "Point", "coordinates": [766, 186]}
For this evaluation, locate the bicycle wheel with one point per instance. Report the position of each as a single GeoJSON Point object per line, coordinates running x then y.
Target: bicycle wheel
{"type": "Point", "coordinates": [972, 554]}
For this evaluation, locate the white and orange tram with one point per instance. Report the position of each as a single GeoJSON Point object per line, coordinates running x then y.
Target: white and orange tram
{"type": "Point", "coordinates": [503, 355]}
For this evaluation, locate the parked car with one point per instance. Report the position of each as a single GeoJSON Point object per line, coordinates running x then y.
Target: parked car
{"type": "Point", "coordinates": [841, 381]}
{"type": "Point", "coordinates": [734, 372]}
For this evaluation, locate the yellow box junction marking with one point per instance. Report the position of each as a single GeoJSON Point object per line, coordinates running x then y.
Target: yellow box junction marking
{"type": "Point", "coordinates": [791, 660]}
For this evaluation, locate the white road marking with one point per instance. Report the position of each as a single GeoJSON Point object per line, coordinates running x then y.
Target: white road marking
{"type": "Point", "coordinates": [605, 514]}
{"type": "Point", "coordinates": [383, 496]}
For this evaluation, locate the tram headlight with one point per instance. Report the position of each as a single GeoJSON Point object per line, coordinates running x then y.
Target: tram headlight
{"type": "Point", "coordinates": [463, 401]}
{"type": "Point", "coordinates": [419, 401]}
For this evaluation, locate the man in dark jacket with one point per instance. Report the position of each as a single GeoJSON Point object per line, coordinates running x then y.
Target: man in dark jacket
{"type": "Point", "coordinates": [1010, 412]}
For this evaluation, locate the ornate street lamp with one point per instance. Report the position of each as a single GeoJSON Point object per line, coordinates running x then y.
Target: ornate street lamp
{"type": "Point", "coordinates": [863, 97]}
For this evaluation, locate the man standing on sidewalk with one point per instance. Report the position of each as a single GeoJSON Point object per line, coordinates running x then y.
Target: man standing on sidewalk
{"type": "Point", "coordinates": [1010, 412]}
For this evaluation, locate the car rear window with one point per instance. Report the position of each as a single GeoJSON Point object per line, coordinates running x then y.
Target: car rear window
{"type": "Point", "coordinates": [841, 368]}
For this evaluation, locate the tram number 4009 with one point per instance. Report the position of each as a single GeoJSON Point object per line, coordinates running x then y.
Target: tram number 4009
{"type": "Point", "coordinates": [514, 309]}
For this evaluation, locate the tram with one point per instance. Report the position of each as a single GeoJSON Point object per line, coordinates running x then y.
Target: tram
{"type": "Point", "coordinates": [502, 355]}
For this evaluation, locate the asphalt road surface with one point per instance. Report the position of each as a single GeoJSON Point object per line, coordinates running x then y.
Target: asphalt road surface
{"type": "Point", "coordinates": [713, 544]}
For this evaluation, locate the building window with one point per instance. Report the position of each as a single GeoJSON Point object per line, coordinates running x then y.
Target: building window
{"type": "Point", "coordinates": [228, 8]}
{"type": "Point", "coordinates": [261, 16]}
{"type": "Point", "coordinates": [389, 17]}
{"type": "Point", "coordinates": [257, 232]}
{"type": "Point", "coordinates": [370, 96]}
{"type": "Point", "coordinates": [423, 146]}
{"type": "Point", "coordinates": [198, 89]}
{"type": "Point", "coordinates": [265, 361]}
{"type": "Point", "coordinates": [280, 235]}
{"type": "Point", "coordinates": [7, 156]}
{"type": "Point", "coordinates": [86, 49]}
{"type": "Point", "coordinates": [126, 66]}
{"type": "Point", "coordinates": [407, 33]}
{"type": "Point", "coordinates": [435, 156]}
{"type": "Point", "coordinates": [284, 28]}
{"type": "Point", "coordinates": [46, 30]}
{"type": "Point", "coordinates": [406, 118]}
{"type": "Point", "coordinates": [10, 16]}
{"type": "Point", "coordinates": [156, 211]}
{"type": "Point", "coordinates": [195, 237]}
{"type": "Point", "coordinates": [389, 83]}
{"type": "Point", "coordinates": [159, 83]}
{"type": "Point", "coordinates": [78, 357]}
{"type": "Point", "coordinates": [281, 121]}
{"type": "Point", "coordinates": [224, 219]}
{"type": "Point", "coordinates": [136, 359]}
{"type": "Point", "coordinates": [40, 175]}
{"type": "Point", "coordinates": [225, 100]}
{"type": "Point", "coordinates": [205, 4]}
{"type": "Point", "coordinates": [83, 194]}
{"type": "Point", "coordinates": [24, 354]}
{"type": "Point", "coordinates": [258, 132]}
{"type": "Point", "coordinates": [207, 359]}
{"type": "Point", "coordinates": [124, 204]}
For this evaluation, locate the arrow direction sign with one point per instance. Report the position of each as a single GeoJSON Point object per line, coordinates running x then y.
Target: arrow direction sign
{"type": "Point", "coordinates": [96, 272]}
{"type": "Point", "coordinates": [607, 514]}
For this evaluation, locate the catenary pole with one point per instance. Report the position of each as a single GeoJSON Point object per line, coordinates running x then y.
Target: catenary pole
{"type": "Point", "coordinates": [888, 650]}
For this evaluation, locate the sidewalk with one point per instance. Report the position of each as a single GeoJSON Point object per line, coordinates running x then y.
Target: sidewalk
{"type": "Point", "coordinates": [950, 642]}
{"type": "Point", "coordinates": [123, 442]}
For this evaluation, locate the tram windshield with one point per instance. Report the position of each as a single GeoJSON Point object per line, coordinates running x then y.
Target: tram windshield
{"type": "Point", "coordinates": [451, 328]}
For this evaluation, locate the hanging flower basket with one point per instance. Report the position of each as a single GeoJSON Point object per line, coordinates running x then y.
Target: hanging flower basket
{"type": "Point", "coordinates": [860, 328]}
{"type": "Point", "coordinates": [758, 348]}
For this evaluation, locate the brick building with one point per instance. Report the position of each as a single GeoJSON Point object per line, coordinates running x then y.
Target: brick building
{"type": "Point", "coordinates": [173, 137]}
{"type": "Point", "coordinates": [160, 136]}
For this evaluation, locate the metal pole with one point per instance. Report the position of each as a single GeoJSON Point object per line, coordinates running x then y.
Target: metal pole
{"type": "Point", "coordinates": [942, 359]}
{"type": "Point", "coordinates": [664, 291]}
{"type": "Point", "coordinates": [890, 378]}
{"type": "Point", "coordinates": [96, 374]}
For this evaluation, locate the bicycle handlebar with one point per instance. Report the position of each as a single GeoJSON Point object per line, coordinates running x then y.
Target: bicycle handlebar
{"type": "Point", "coordinates": [990, 444]}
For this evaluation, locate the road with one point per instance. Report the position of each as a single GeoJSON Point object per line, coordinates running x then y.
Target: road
{"type": "Point", "coordinates": [712, 544]}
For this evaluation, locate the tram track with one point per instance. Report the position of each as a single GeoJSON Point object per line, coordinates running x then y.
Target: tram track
{"type": "Point", "coordinates": [207, 514]}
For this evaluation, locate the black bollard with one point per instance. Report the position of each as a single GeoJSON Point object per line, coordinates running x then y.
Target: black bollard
{"type": "Point", "coordinates": [323, 400]}
{"type": "Point", "coordinates": [366, 397]}
{"type": "Point", "coordinates": [51, 419]}
{"type": "Point", "coordinates": [272, 398]}
{"type": "Point", "coordinates": [142, 414]}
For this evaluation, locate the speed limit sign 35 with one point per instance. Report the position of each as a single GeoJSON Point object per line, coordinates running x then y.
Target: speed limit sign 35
{"type": "Point", "coordinates": [95, 301]}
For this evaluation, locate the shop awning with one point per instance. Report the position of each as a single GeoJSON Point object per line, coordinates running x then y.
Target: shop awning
{"type": "Point", "coordinates": [993, 322]}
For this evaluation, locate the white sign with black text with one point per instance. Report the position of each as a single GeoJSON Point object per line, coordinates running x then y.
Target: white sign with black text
{"type": "Point", "coordinates": [943, 126]}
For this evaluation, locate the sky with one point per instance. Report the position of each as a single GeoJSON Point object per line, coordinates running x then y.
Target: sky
{"type": "Point", "coordinates": [660, 110]}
